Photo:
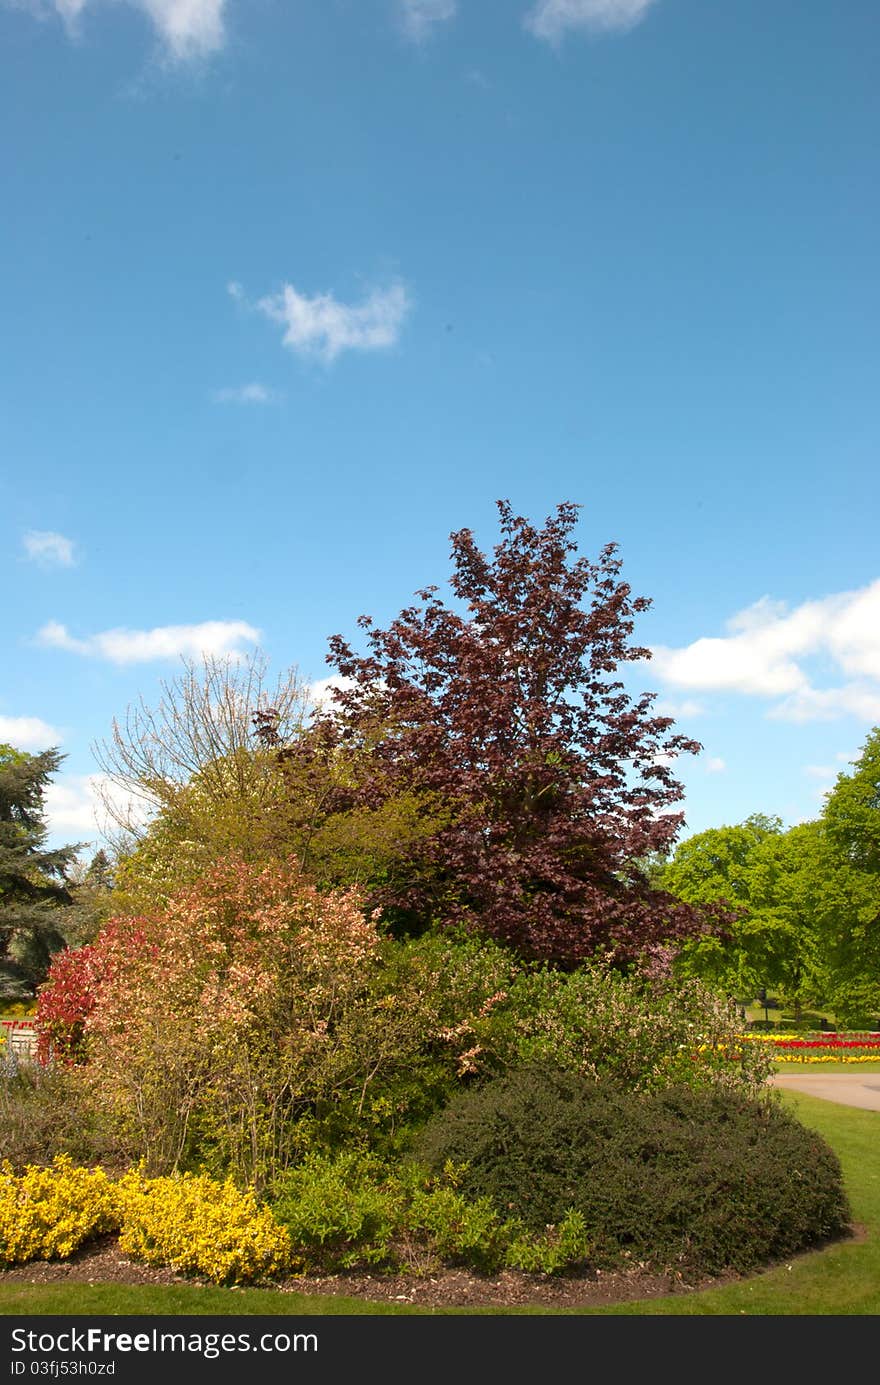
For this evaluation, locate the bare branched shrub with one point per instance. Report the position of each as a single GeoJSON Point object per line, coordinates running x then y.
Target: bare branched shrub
{"type": "Point", "coordinates": [204, 734]}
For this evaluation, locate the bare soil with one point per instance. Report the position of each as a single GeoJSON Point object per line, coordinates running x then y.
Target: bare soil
{"type": "Point", "coordinates": [102, 1262]}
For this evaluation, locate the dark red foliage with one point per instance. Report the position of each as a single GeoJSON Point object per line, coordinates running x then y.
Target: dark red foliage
{"type": "Point", "coordinates": [507, 712]}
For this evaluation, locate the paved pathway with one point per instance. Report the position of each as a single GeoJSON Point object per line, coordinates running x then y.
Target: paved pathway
{"type": "Point", "coordinates": [848, 1089]}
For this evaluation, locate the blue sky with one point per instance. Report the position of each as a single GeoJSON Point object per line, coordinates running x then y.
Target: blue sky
{"type": "Point", "coordinates": [292, 289]}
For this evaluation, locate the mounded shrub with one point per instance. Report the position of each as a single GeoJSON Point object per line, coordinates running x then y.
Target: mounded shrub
{"type": "Point", "coordinates": [200, 1226]}
{"type": "Point", "coordinates": [690, 1181]}
{"type": "Point", "coordinates": [48, 1212]}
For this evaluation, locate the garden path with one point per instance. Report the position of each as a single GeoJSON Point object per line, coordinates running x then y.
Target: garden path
{"type": "Point", "coordinates": [848, 1089]}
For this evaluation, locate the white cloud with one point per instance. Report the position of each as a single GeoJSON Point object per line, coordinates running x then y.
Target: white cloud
{"type": "Point", "coordinates": [187, 29]}
{"type": "Point", "coordinates": [769, 645]}
{"type": "Point", "coordinates": [49, 549]}
{"type": "Point", "coordinates": [28, 733]}
{"type": "Point", "coordinates": [418, 17]}
{"type": "Point", "coordinates": [552, 19]}
{"type": "Point", "coordinates": [321, 692]}
{"type": "Point", "coordinates": [322, 327]}
{"type": "Point", "coordinates": [217, 637]}
{"type": "Point", "coordinates": [715, 765]}
{"type": "Point", "coordinates": [71, 807]}
{"type": "Point", "coordinates": [79, 806]}
{"type": "Point", "coordinates": [254, 393]}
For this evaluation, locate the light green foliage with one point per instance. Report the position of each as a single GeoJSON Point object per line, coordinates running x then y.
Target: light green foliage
{"type": "Point", "coordinates": [851, 904]}
{"type": "Point", "coordinates": [203, 782]}
{"type": "Point", "coordinates": [560, 1248]}
{"type": "Point", "coordinates": [198, 826]}
{"type": "Point", "coordinates": [339, 1212]}
{"type": "Point", "coordinates": [457, 1230]}
{"type": "Point", "coordinates": [809, 900]}
{"type": "Point", "coordinates": [852, 810]}
{"type": "Point", "coordinates": [353, 1210]}
{"type": "Point", "coordinates": [718, 866]}
{"type": "Point", "coordinates": [643, 1034]}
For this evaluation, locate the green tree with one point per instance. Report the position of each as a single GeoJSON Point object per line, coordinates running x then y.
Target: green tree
{"type": "Point", "coordinates": [851, 922]}
{"type": "Point", "coordinates": [794, 880]}
{"type": "Point", "coordinates": [806, 901]}
{"type": "Point", "coordinates": [91, 887]}
{"type": "Point", "coordinates": [34, 889]}
{"type": "Point", "coordinates": [717, 867]}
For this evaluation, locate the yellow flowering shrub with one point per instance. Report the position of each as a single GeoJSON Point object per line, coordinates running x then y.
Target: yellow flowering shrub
{"type": "Point", "coordinates": [193, 1223]}
{"type": "Point", "coordinates": [46, 1213]}
{"type": "Point", "coordinates": [189, 1222]}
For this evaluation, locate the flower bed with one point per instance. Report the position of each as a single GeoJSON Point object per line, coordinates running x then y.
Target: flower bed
{"type": "Point", "coordinates": [827, 1047]}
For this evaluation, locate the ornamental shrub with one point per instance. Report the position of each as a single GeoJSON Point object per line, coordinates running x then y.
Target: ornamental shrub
{"type": "Point", "coordinates": [446, 1010]}
{"type": "Point", "coordinates": [457, 1230]}
{"type": "Point", "coordinates": [231, 1022]}
{"type": "Point", "coordinates": [46, 1213]}
{"type": "Point", "coordinates": [644, 1033]}
{"type": "Point", "coordinates": [46, 1111]}
{"type": "Point", "coordinates": [689, 1181]}
{"type": "Point", "coordinates": [339, 1212]}
{"type": "Point", "coordinates": [196, 1224]}
{"type": "Point", "coordinates": [73, 987]}
{"type": "Point", "coordinates": [356, 1211]}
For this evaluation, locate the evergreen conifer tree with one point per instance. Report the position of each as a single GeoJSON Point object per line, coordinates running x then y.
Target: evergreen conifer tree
{"type": "Point", "coordinates": [33, 878]}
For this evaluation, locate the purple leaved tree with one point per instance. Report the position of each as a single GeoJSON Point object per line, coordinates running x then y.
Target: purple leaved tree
{"type": "Point", "coordinates": [542, 786]}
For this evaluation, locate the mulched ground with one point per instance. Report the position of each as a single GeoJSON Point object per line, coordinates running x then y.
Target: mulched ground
{"type": "Point", "coordinates": [102, 1263]}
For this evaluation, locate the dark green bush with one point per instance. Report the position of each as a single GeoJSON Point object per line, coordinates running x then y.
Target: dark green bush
{"type": "Point", "coordinates": [697, 1182]}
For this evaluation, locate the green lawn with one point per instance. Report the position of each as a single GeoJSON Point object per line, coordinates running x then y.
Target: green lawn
{"type": "Point", "coordinates": [842, 1279]}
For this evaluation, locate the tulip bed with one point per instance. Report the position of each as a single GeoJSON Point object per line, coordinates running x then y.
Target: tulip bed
{"type": "Point", "coordinates": [826, 1047]}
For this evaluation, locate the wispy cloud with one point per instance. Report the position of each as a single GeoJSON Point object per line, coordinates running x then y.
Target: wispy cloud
{"type": "Point", "coordinates": [253, 393]}
{"type": "Point", "coordinates": [322, 327]}
{"type": "Point", "coordinates": [768, 649]}
{"type": "Point", "coordinates": [553, 19]}
{"type": "Point", "coordinates": [688, 707]}
{"type": "Point", "coordinates": [418, 17]}
{"type": "Point", "coordinates": [28, 733]}
{"type": "Point", "coordinates": [49, 549]}
{"type": "Point", "coordinates": [827, 704]}
{"type": "Point", "coordinates": [187, 29]}
{"type": "Point", "coordinates": [715, 765]}
{"type": "Point", "coordinates": [217, 637]}
{"type": "Point", "coordinates": [827, 773]}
